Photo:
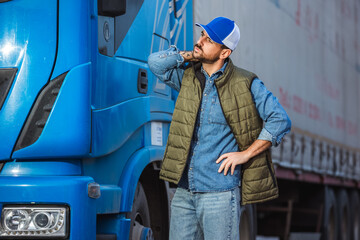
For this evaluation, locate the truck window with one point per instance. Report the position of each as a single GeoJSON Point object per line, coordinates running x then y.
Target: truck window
{"type": "Point", "coordinates": [113, 26]}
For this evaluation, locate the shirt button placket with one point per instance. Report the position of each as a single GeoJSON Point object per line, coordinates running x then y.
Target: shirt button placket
{"type": "Point", "coordinates": [190, 172]}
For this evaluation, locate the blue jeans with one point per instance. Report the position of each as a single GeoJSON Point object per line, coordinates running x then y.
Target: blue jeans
{"type": "Point", "coordinates": [209, 215]}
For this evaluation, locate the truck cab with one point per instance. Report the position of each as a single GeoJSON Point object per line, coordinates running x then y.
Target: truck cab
{"type": "Point", "coordinates": [83, 122]}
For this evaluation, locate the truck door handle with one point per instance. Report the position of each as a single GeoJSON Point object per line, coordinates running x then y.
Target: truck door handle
{"type": "Point", "coordinates": [142, 82]}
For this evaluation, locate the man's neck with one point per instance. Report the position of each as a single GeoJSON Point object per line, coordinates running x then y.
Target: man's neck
{"type": "Point", "coordinates": [211, 68]}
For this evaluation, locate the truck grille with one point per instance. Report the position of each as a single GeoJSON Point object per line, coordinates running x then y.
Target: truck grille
{"type": "Point", "coordinates": [7, 76]}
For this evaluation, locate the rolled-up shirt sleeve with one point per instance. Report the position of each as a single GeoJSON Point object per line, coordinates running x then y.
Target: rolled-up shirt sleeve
{"type": "Point", "coordinates": [168, 66]}
{"type": "Point", "coordinates": [276, 121]}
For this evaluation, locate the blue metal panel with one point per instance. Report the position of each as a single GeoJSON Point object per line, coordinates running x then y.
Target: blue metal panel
{"type": "Point", "coordinates": [71, 191]}
{"type": "Point", "coordinates": [67, 132]}
{"type": "Point", "coordinates": [27, 42]}
{"type": "Point", "coordinates": [109, 202]}
{"type": "Point", "coordinates": [113, 126]}
{"type": "Point", "coordinates": [74, 37]}
{"type": "Point", "coordinates": [116, 81]}
{"type": "Point", "coordinates": [99, 168]}
{"type": "Point", "coordinates": [42, 168]}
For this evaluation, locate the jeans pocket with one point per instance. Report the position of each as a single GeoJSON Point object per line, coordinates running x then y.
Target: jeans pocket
{"type": "Point", "coordinates": [216, 114]}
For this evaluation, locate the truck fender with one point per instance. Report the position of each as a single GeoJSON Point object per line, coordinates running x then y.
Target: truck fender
{"type": "Point", "coordinates": [132, 172]}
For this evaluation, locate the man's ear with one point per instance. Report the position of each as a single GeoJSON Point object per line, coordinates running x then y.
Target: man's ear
{"type": "Point", "coordinates": [225, 53]}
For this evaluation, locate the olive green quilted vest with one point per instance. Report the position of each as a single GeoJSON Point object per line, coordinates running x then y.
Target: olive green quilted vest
{"type": "Point", "coordinates": [258, 178]}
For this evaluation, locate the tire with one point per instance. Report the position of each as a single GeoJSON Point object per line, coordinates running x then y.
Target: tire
{"type": "Point", "coordinates": [330, 219]}
{"type": "Point", "coordinates": [355, 215]}
{"type": "Point", "coordinates": [344, 215]}
{"type": "Point", "coordinates": [140, 217]}
{"type": "Point", "coordinates": [247, 222]}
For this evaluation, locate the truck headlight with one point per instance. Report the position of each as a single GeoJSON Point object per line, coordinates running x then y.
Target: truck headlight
{"type": "Point", "coordinates": [37, 221]}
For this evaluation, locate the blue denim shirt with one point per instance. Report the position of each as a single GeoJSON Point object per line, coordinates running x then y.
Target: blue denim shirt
{"type": "Point", "coordinates": [212, 136]}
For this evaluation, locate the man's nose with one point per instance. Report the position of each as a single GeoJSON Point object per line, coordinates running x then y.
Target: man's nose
{"type": "Point", "coordinates": [200, 40]}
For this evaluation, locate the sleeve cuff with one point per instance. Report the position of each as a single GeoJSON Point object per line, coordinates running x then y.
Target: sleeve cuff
{"type": "Point", "coordinates": [265, 135]}
{"type": "Point", "coordinates": [180, 58]}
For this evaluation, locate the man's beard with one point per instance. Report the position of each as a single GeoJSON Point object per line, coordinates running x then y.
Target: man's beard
{"type": "Point", "coordinates": [201, 58]}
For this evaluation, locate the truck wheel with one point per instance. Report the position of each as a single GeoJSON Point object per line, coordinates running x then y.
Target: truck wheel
{"type": "Point", "coordinates": [140, 217]}
{"type": "Point", "coordinates": [330, 226]}
{"type": "Point", "coordinates": [344, 215]}
{"type": "Point", "coordinates": [247, 223]}
{"type": "Point", "coordinates": [355, 215]}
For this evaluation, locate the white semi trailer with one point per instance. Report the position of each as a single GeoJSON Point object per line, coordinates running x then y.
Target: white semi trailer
{"type": "Point", "coordinates": [307, 52]}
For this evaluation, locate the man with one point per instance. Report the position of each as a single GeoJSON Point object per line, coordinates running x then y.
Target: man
{"type": "Point", "coordinates": [217, 140]}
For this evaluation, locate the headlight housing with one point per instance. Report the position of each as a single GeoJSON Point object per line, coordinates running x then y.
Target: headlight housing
{"type": "Point", "coordinates": [34, 222]}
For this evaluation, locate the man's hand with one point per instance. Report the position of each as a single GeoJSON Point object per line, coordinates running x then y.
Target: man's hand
{"type": "Point", "coordinates": [188, 56]}
{"type": "Point", "coordinates": [232, 159]}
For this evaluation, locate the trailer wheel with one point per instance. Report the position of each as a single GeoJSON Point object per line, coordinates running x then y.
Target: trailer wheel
{"type": "Point", "coordinates": [247, 222]}
{"type": "Point", "coordinates": [344, 215]}
{"type": "Point", "coordinates": [140, 217]}
{"type": "Point", "coordinates": [330, 226]}
{"type": "Point", "coordinates": [355, 215]}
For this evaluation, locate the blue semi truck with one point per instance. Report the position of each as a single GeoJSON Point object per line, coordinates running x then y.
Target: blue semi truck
{"type": "Point", "coordinates": [83, 122]}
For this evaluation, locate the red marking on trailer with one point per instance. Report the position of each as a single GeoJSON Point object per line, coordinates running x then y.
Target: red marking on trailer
{"type": "Point", "coordinates": [314, 111]}
{"type": "Point", "coordinates": [308, 17]}
{"type": "Point", "coordinates": [340, 123]}
{"type": "Point", "coordinates": [330, 119]}
{"type": "Point", "coordinates": [316, 26]}
{"type": "Point", "coordinates": [284, 98]}
{"type": "Point", "coordinates": [352, 128]}
{"type": "Point", "coordinates": [327, 88]}
{"type": "Point", "coordinates": [298, 13]}
{"type": "Point", "coordinates": [342, 7]}
{"type": "Point", "coordinates": [346, 9]}
{"type": "Point", "coordinates": [298, 104]}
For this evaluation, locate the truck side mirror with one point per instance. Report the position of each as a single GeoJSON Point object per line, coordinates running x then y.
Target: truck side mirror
{"type": "Point", "coordinates": [111, 8]}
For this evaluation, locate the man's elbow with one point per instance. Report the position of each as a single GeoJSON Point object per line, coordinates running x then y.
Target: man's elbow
{"type": "Point", "coordinates": [152, 62]}
{"type": "Point", "coordinates": [288, 124]}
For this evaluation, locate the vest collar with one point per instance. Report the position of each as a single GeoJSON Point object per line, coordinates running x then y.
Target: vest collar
{"type": "Point", "coordinates": [222, 80]}
{"type": "Point", "coordinates": [199, 75]}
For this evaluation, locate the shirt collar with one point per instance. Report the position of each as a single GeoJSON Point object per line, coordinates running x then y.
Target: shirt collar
{"type": "Point", "coordinates": [217, 73]}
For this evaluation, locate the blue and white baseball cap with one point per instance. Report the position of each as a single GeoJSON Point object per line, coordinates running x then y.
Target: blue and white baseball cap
{"type": "Point", "coordinates": [223, 31]}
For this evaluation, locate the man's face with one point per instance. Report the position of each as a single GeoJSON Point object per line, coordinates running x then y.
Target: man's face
{"type": "Point", "coordinates": [206, 50]}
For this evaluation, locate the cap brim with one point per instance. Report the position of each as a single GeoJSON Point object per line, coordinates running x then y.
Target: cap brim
{"type": "Point", "coordinates": [210, 33]}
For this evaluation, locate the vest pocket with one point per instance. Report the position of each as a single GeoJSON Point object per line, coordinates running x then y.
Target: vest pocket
{"type": "Point", "coordinates": [216, 114]}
